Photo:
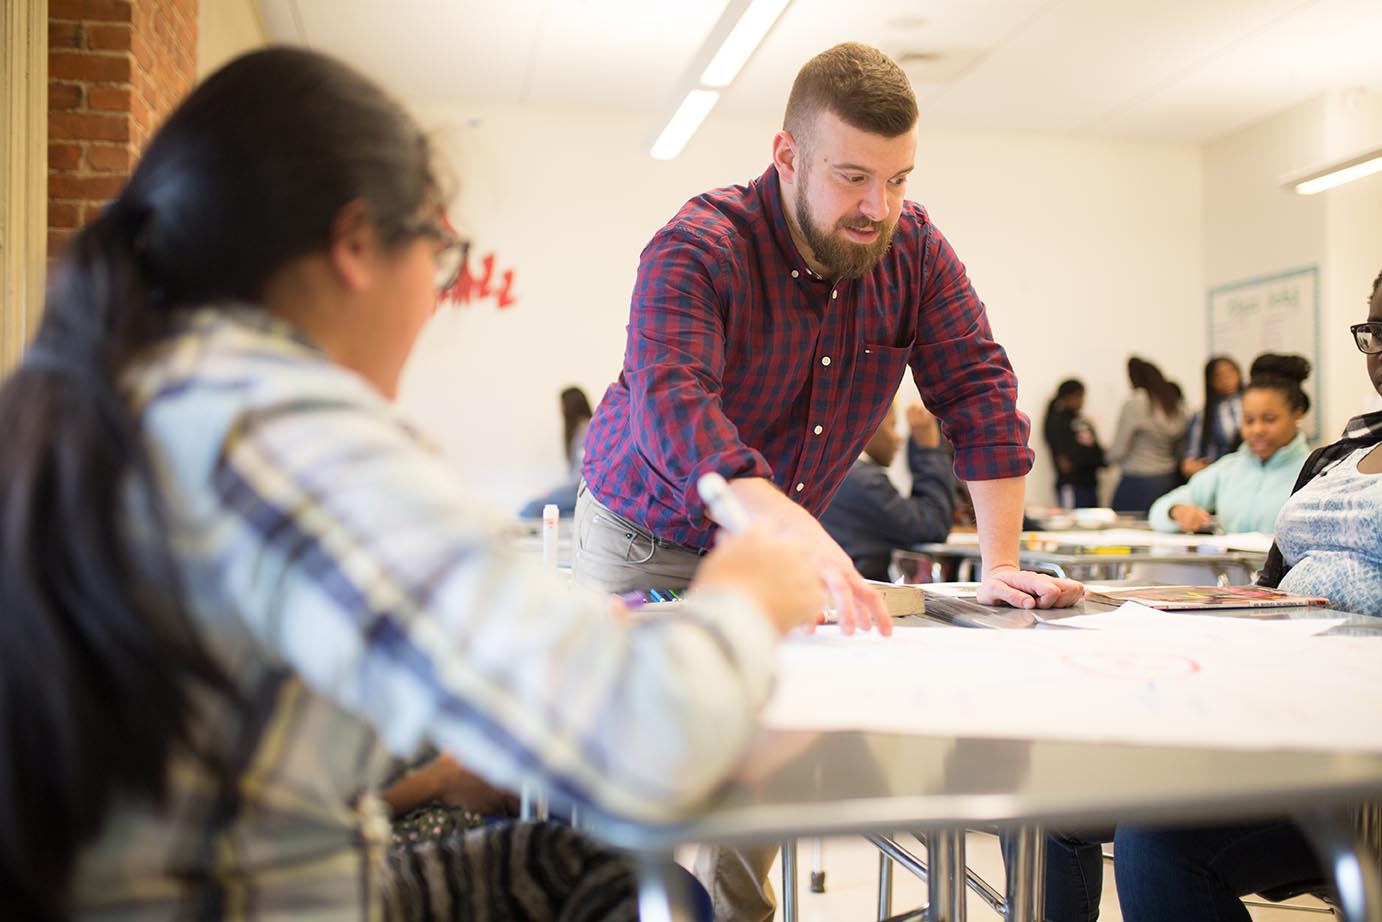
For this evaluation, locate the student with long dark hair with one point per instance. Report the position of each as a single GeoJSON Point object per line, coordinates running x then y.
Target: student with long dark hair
{"type": "Point", "coordinates": [1144, 446]}
{"type": "Point", "coordinates": [1213, 430]}
{"type": "Point", "coordinates": [575, 419]}
{"type": "Point", "coordinates": [1075, 448]}
{"type": "Point", "coordinates": [232, 579]}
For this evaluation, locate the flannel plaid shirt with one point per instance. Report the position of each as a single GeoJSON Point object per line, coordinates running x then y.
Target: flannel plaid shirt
{"type": "Point", "coordinates": [362, 602]}
{"type": "Point", "coordinates": [741, 360]}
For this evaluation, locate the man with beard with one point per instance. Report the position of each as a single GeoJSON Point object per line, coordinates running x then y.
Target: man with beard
{"type": "Point", "coordinates": [770, 327]}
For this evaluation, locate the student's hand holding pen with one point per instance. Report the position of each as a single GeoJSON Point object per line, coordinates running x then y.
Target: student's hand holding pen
{"type": "Point", "coordinates": [856, 604]}
{"type": "Point", "coordinates": [772, 569]}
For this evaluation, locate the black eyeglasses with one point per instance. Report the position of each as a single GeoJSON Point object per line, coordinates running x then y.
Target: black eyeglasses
{"type": "Point", "coordinates": [452, 251]}
{"type": "Point", "coordinates": [1367, 337]}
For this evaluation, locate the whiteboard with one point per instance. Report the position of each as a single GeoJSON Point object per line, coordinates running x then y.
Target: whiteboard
{"type": "Point", "coordinates": [1275, 313]}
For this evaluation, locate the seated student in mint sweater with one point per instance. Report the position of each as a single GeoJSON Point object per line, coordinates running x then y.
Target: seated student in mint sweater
{"type": "Point", "coordinates": [1247, 487]}
{"type": "Point", "coordinates": [869, 517]}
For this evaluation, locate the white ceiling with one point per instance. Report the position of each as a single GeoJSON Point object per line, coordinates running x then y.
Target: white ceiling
{"type": "Point", "coordinates": [1156, 70]}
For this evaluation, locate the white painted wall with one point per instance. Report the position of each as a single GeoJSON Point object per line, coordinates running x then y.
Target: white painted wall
{"type": "Point", "coordinates": [1084, 251]}
{"type": "Point", "coordinates": [1255, 227]}
{"type": "Point", "coordinates": [226, 29]}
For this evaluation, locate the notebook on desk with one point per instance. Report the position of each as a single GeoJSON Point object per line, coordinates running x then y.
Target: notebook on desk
{"type": "Point", "coordinates": [1182, 598]}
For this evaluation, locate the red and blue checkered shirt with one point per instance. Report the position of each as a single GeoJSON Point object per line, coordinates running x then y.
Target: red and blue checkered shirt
{"type": "Point", "coordinates": [741, 360]}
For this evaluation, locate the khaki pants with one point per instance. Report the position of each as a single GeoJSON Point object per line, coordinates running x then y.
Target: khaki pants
{"type": "Point", "coordinates": [614, 554]}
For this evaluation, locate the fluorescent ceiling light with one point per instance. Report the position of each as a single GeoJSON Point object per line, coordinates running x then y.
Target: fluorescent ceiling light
{"type": "Point", "coordinates": [683, 123]}
{"type": "Point", "coordinates": [1336, 174]}
{"type": "Point", "coordinates": [732, 41]}
{"type": "Point", "coordinates": [753, 25]}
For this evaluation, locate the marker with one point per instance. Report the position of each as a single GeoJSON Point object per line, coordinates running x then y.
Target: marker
{"type": "Point", "coordinates": [724, 506]}
{"type": "Point", "coordinates": [551, 515]}
{"type": "Point", "coordinates": [639, 598]}
{"type": "Point", "coordinates": [731, 515]}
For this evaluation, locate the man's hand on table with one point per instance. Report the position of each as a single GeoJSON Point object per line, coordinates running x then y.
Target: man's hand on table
{"type": "Point", "coordinates": [1024, 589]}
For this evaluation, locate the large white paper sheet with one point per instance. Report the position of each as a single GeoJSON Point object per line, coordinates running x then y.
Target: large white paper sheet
{"type": "Point", "coordinates": [1131, 687]}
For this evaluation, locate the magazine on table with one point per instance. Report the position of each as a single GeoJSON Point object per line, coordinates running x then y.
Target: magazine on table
{"type": "Point", "coordinates": [1178, 598]}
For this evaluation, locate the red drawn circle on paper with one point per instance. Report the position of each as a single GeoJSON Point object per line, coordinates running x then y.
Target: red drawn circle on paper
{"type": "Point", "coordinates": [1133, 665]}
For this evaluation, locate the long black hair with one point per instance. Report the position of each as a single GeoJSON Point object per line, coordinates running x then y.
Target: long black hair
{"type": "Point", "coordinates": [1164, 394]}
{"type": "Point", "coordinates": [1209, 417]}
{"type": "Point", "coordinates": [98, 661]}
{"type": "Point", "coordinates": [575, 410]}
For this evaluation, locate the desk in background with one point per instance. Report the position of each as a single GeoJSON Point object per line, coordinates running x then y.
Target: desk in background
{"type": "Point", "coordinates": [1095, 555]}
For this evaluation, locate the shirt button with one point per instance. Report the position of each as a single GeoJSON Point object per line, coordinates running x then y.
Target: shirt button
{"type": "Point", "coordinates": [796, 274]}
{"type": "Point", "coordinates": [825, 360]}
{"type": "Point", "coordinates": [819, 430]}
{"type": "Point", "coordinates": [834, 295]}
{"type": "Point", "coordinates": [800, 487]}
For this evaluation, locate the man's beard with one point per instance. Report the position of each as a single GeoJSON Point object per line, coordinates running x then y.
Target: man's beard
{"type": "Point", "coordinates": [841, 258]}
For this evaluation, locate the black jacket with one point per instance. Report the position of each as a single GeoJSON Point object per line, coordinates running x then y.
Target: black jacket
{"type": "Point", "coordinates": [868, 517]}
{"type": "Point", "coordinates": [1064, 430]}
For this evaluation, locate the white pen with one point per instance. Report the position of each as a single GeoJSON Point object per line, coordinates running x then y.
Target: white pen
{"type": "Point", "coordinates": [724, 506]}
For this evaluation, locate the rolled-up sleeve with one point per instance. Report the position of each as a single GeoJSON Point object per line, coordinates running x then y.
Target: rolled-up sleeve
{"type": "Point", "coordinates": [964, 375]}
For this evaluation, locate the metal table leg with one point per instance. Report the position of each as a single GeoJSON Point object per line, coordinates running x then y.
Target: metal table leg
{"type": "Point", "coordinates": [789, 880]}
{"type": "Point", "coordinates": [1026, 875]}
{"type": "Point", "coordinates": [661, 894]}
{"type": "Point", "coordinates": [917, 866]}
{"type": "Point", "coordinates": [1356, 874]}
{"type": "Point", "coordinates": [817, 867]}
{"type": "Point", "coordinates": [885, 886]}
{"type": "Point", "coordinates": [946, 884]}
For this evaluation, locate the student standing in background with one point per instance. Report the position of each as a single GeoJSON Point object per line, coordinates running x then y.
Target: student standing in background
{"type": "Point", "coordinates": [1075, 449]}
{"type": "Point", "coordinates": [1149, 426]}
{"type": "Point", "coordinates": [575, 419]}
{"type": "Point", "coordinates": [1213, 430]}
{"type": "Point", "coordinates": [869, 517]}
{"type": "Point", "coordinates": [1246, 488]}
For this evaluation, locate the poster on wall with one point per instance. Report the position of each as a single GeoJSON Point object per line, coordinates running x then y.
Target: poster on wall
{"type": "Point", "coordinates": [1274, 313]}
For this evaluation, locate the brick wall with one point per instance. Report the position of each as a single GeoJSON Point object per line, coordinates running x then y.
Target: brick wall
{"type": "Point", "coordinates": [115, 69]}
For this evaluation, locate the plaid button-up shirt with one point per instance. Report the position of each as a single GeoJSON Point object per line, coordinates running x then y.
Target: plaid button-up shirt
{"type": "Point", "coordinates": [740, 360]}
{"type": "Point", "coordinates": [362, 601]}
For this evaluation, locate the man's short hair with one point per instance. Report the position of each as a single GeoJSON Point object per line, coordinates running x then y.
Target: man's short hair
{"type": "Point", "coordinates": [861, 85]}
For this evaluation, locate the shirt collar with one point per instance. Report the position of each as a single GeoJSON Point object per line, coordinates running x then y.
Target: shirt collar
{"type": "Point", "coordinates": [1369, 425]}
{"type": "Point", "coordinates": [769, 187]}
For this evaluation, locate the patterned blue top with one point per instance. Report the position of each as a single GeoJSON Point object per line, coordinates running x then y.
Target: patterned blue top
{"type": "Point", "coordinates": [1330, 533]}
{"type": "Point", "coordinates": [1227, 421]}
